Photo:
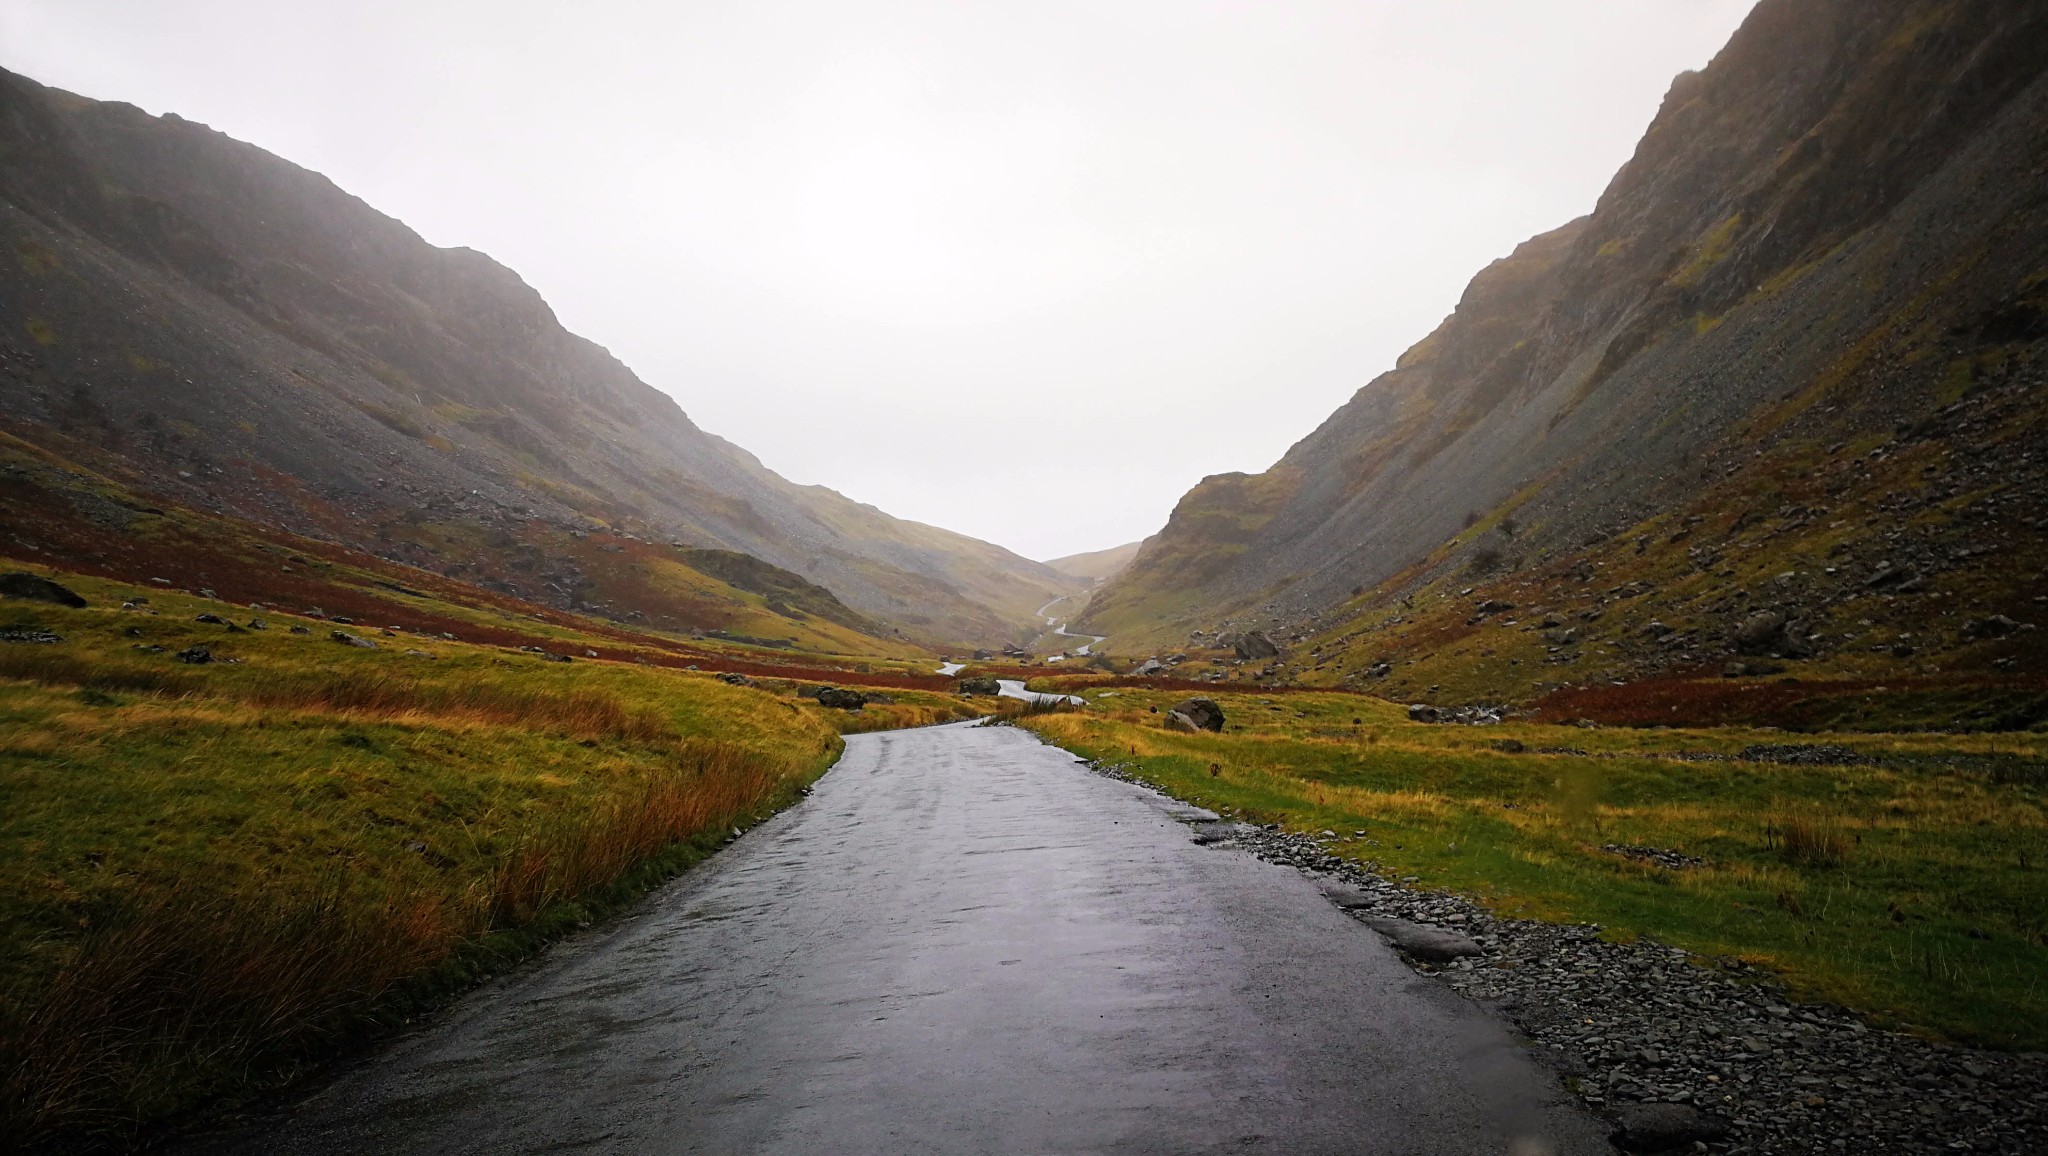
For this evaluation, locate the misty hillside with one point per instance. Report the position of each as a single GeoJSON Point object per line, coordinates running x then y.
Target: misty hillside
{"type": "Point", "coordinates": [206, 321]}
{"type": "Point", "coordinates": [1097, 565]}
{"type": "Point", "coordinates": [1821, 280]}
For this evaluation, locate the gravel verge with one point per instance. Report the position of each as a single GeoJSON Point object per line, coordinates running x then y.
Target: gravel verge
{"type": "Point", "coordinates": [1633, 1027]}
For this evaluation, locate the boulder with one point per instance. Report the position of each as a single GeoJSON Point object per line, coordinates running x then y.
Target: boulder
{"type": "Point", "coordinates": [195, 655]}
{"type": "Point", "coordinates": [877, 698]}
{"type": "Point", "coordinates": [735, 678]}
{"type": "Point", "coordinates": [834, 697]}
{"type": "Point", "coordinates": [1149, 667]}
{"type": "Point", "coordinates": [1429, 944]}
{"type": "Point", "coordinates": [1664, 1127]}
{"type": "Point", "coordinates": [1769, 632]}
{"type": "Point", "coordinates": [1422, 712]}
{"type": "Point", "coordinates": [1996, 626]}
{"type": "Point", "coordinates": [1254, 644]}
{"type": "Point", "coordinates": [986, 684]}
{"type": "Point", "coordinates": [1202, 712]}
{"type": "Point", "coordinates": [983, 655]}
{"type": "Point", "coordinates": [36, 588]}
{"type": "Point", "coordinates": [1495, 606]}
{"type": "Point", "coordinates": [347, 639]}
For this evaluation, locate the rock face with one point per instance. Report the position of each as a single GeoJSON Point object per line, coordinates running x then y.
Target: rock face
{"type": "Point", "coordinates": [36, 588]}
{"type": "Point", "coordinates": [391, 379]}
{"type": "Point", "coordinates": [1754, 277]}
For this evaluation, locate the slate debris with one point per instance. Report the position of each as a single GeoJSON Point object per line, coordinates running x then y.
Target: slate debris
{"type": "Point", "coordinates": [1639, 1029]}
{"type": "Point", "coordinates": [1676, 861]}
{"type": "Point", "coordinates": [29, 634]}
{"type": "Point", "coordinates": [1802, 755]}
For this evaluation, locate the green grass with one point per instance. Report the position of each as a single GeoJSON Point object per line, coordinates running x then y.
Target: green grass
{"type": "Point", "coordinates": [213, 876]}
{"type": "Point", "coordinates": [1915, 890]}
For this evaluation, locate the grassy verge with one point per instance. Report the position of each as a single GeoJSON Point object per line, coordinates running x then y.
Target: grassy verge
{"type": "Point", "coordinates": [1913, 887]}
{"type": "Point", "coordinates": [214, 875]}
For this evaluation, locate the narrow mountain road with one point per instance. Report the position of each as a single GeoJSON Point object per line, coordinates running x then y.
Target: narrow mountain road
{"type": "Point", "coordinates": [964, 941]}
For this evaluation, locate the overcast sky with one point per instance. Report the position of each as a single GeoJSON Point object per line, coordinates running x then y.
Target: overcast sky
{"type": "Point", "coordinates": [1026, 270]}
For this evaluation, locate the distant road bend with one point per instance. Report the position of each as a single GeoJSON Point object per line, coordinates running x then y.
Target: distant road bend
{"type": "Point", "coordinates": [962, 942]}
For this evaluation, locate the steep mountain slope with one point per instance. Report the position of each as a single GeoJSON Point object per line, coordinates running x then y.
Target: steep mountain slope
{"type": "Point", "coordinates": [1831, 242]}
{"type": "Point", "coordinates": [218, 325]}
{"type": "Point", "coordinates": [1097, 565]}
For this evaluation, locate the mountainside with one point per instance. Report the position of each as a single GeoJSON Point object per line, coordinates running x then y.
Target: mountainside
{"type": "Point", "coordinates": [1803, 329]}
{"type": "Point", "coordinates": [206, 321]}
{"type": "Point", "coordinates": [1097, 565]}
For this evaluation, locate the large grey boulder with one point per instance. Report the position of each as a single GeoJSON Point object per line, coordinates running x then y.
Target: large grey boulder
{"type": "Point", "coordinates": [986, 684]}
{"type": "Point", "coordinates": [1769, 632]}
{"type": "Point", "coordinates": [837, 699]}
{"type": "Point", "coordinates": [36, 588]}
{"type": "Point", "coordinates": [1252, 645]}
{"type": "Point", "coordinates": [1197, 714]}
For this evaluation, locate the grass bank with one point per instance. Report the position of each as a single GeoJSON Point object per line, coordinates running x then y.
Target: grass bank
{"type": "Point", "coordinates": [214, 875]}
{"type": "Point", "coordinates": [1912, 885]}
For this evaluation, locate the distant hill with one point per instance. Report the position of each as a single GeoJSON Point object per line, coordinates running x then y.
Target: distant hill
{"type": "Point", "coordinates": [200, 319]}
{"type": "Point", "coordinates": [1791, 365]}
{"type": "Point", "coordinates": [1097, 565]}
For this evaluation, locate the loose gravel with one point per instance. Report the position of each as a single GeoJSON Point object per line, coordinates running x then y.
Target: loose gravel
{"type": "Point", "coordinates": [1641, 1023]}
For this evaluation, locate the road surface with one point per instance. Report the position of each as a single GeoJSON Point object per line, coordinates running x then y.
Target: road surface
{"type": "Point", "coordinates": [962, 942]}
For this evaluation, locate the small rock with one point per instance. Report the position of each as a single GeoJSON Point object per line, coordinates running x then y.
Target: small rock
{"type": "Point", "coordinates": [1425, 943]}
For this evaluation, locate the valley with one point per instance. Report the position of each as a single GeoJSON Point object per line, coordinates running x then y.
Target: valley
{"type": "Point", "coordinates": [1628, 712]}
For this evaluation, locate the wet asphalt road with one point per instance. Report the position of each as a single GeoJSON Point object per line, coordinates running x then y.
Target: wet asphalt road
{"type": "Point", "coordinates": [963, 942]}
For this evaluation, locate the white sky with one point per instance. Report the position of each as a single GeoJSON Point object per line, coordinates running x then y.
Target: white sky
{"type": "Point", "coordinates": [1025, 270]}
